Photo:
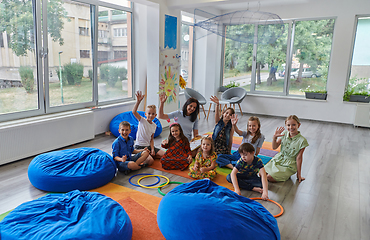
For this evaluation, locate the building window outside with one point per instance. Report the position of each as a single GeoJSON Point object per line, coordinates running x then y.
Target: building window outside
{"type": "Point", "coordinates": [84, 31]}
{"type": "Point", "coordinates": [120, 32]}
{"type": "Point", "coordinates": [84, 53]}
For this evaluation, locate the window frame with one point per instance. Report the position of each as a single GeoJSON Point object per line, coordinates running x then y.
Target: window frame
{"type": "Point", "coordinates": [42, 66]}
{"type": "Point", "coordinates": [190, 24]}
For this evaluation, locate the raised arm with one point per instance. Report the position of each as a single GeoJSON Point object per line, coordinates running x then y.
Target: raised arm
{"type": "Point", "coordinates": [139, 98]}
{"type": "Point", "coordinates": [217, 110]}
{"type": "Point", "coordinates": [162, 99]}
{"type": "Point", "coordinates": [275, 141]}
{"type": "Point", "coordinates": [299, 165]}
{"type": "Point", "coordinates": [234, 121]}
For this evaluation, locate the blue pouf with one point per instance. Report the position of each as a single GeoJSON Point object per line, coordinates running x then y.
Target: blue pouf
{"type": "Point", "coordinates": [203, 210]}
{"type": "Point", "coordinates": [129, 117]}
{"type": "Point", "coordinates": [74, 215]}
{"type": "Point", "coordinates": [71, 169]}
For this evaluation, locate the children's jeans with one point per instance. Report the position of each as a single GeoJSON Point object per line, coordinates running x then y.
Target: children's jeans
{"type": "Point", "coordinates": [246, 183]}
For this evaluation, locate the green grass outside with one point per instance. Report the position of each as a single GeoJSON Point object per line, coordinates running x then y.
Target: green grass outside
{"type": "Point", "coordinates": [294, 87]}
{"type": "Point", "coordinates": [17, 99]}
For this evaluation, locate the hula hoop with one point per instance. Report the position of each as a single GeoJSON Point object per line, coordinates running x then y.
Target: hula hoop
{"type": "Point", "coordinates": [129, 180]}
{"type": "Point", "coordinates": [281, 208]}
{"type": "Point", "coordinates": [141, 185]}
{"type": "Point", "coordinates": [162, 193]}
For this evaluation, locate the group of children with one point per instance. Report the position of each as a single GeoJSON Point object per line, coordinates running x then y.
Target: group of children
{"type": "Point", "coordinates": [248, 171]}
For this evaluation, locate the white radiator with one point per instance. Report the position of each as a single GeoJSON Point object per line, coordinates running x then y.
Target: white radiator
{"type": "Point", "coordinates": [28, 137]}
{"type": "Point", "coordinates": [362, 117]}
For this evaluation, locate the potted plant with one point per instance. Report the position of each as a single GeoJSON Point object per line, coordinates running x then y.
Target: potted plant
{"type": "Point", "coordinates": [315, 94]}
{"type": "Point", "coordinates": [230, 85]}
{"type": "Point", "coordinates": [356, 91]}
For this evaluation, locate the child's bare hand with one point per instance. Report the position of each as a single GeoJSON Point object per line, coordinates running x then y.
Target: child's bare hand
{"type": "Point", "coordinates": [215, 99]}
{"type": "Point", "coordinates": [278, 132]}
{"type": "Point", "coordinates": [124, 158]}
{"type": "Point", "coordinates": [165, 142]}
{"type": "Point", "coordinates": [238, 192]}
{"type": "Point", "coordinates": [234, 119]}
{"type": "Point", "coordinates": [264, 196]}
{"type": "Point", "coordinates": [146, 150]}
{"type": "Point", "coordinates": [139, 96]}
{"type": "Point", "coordinates": [162, 97]}
{"type": "Point", "coordinates": [153, 152]}
{"type": "Point", "coordinates": [190, 159]}
{"type": "Point", "coordinates": [203, 170]}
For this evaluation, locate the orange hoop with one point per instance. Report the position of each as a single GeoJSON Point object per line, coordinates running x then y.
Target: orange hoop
{"type": "Point", "coordinates": [281, 208]}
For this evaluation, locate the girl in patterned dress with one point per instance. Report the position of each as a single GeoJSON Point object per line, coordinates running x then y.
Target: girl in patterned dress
{"type": "Point", "coordinates": [224, 130]}
{"type": "Point", "coordinates": [205, 161]}
{"type": "Point", "coordinates": [178, 154]}
{"type": "Point", "coordinates": [289, 160]}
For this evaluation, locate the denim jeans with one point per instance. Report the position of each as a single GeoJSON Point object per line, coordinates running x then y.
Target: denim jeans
{"type": "Point", "coordinates": [246, 183]}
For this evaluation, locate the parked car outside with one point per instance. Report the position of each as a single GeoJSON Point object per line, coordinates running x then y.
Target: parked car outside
{"type": "Point", "coordinates": [306, 73]}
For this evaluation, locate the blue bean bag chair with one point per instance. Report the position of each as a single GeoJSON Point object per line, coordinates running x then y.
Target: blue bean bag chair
{"type": "Point", "coordinates": [71, 169]}
{"type": "Point", "coordinates": [74, 215]}
{"type": "Point", "coordinates": [203, 210]}
{"type": "Point", "coordinates": [129, 117]}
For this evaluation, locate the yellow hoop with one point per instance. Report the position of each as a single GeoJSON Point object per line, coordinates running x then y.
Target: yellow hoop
{"type": "Point", "coordinates": [168, 180]}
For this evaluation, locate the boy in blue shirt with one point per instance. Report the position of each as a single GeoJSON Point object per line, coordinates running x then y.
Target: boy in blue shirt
{"type": "Point", "coordinates": [244, 174]}
{"type": "Point", "coordinates": [123, 147]}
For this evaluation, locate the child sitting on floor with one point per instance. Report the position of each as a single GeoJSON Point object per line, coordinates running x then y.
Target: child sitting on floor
{"type": "Point", "coordinates": [146, 129]}
{"type": "Point", "coordinates": [178, 154]}
{"type": "Point", "coordinates": [244, 174]}
{"type": "Point", "coordinates": [253, 136]}
{"type": "Point", "coordinates": [205, 161]}
{"type": "Point", "coordinates": [123, 147]}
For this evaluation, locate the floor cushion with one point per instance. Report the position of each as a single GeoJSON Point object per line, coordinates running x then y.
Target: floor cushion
{"type": "Point", "coordinates": [129, 117]}
{"type": "Point", "coordinates": [203, 210]}
{"type": "Point", "coordinates": [74, 215]}
{"type": "Point", "coordinates": [71, 169]}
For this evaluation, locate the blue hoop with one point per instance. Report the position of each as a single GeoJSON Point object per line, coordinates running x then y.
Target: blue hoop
{"type": "Point", "coordinates": [136, 185]}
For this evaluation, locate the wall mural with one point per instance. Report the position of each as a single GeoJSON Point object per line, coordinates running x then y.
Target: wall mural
{"type": "Point", "coordinates": [168, 70]}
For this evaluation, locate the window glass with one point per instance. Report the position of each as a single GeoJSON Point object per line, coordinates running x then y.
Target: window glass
{"type": "Point", "coordinates": [271, 59]}
{"type": "Point", "coordinates": [70, 61]}
{"type": "Point", "coordinates": [311, 55]}
{"type": "Point", "coordinates": [186, 53]}
{"type": "Point", "coordinates": [238, 57]}
{"type": "Point", "coordinates": [359, 80]}
{"type": "Point", "coordinates": [18, 68]}
{"type": "Point", "coordinates": [114, 55]}
{"type": "Point", "coordinates": [124, 3]}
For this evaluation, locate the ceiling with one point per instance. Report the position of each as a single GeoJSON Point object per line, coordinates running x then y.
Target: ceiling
{"type": "Point", "coordinates": [230, 5]}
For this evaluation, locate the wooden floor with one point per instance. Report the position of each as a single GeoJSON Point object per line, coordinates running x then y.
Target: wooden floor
{"type": "Point", "coordinates": [332, 203]}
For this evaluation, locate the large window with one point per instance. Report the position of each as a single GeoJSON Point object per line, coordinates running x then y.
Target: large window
{"type": "Point", "coordinates": [186, 50]}
{"type": "Point", "coordinates": [359, 79]}
{"type": "Point", "coordinates": [273, 67]}
{"type": "Point", "coordinates": [48, 64]}
{"type": "Point", "coordinates": [114, 54]}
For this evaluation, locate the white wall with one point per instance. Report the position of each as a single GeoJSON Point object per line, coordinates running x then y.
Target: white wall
{"type": "Point", "coordinates": [334, 109]}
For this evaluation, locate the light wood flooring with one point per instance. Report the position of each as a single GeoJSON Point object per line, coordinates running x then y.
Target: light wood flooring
{"type": "Point", "coordinates": [332, 203]}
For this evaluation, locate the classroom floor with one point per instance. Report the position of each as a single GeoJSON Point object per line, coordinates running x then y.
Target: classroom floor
{"type": "Point", "coordinates": [332, 203]}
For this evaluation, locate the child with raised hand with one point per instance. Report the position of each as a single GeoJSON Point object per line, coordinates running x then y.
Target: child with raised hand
{"type": "Point", "coordinates": [205, 161]}
{"type": "Point", "coordinates": [146, 130]}
{"type": "Point", "coordinates": [253, 136]}
{"type": "Point", "coordinates": [123, 147]}
{"type": "Point", "coordinates": [178, 154]}
{"type": "Point", "coordinates": [223, 132]}
{"type": "Point", "coordinates": [289, 160]}
{"type": "Point", "coordinates": [244, 174]}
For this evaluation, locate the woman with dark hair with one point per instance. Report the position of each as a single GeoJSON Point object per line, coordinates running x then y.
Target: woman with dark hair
{"type": "Point", "coordinates": [187, 118]}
